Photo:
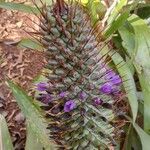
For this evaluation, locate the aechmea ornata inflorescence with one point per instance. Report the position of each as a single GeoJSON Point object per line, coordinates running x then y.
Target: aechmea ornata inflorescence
{"type": "Point", "coordinates": [81, 92]}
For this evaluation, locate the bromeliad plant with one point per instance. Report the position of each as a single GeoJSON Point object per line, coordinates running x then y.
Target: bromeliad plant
{"type": "Point", "coordinates": [85, 93]}
{"type": "Point", "coordinates": [82, 91]}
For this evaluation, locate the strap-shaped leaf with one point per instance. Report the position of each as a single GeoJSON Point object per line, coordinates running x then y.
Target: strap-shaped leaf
{"type": "Point", "coordinates": [20, 7]}
{"type": "Point", "coordinates": [34, 117]}
{"type": "Point", "coordinates": [137, 44]}
{"type": "Point", "coordinates": [141, 62]}
{"type": "Point", "coordinates": [5, 140]}
{"type": "Point", "coordinates": [30, 43]}
{"type": "Point", "coordinates": [129, 84]}
{"type": "Point", "coordinates": [117, 7]}
{"type": "Point", "coordinates": [144, 137]}
{"type": "Point", "coordinates": [32, 143]}
{"type": "Point", "coordinates": [116, 24]}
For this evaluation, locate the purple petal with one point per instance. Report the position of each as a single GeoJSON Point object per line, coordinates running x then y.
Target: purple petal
{"type": "Point", "coordinates": [110, 74]}
{"type": "Point", "coordinates": [42, 86]}
{"type": "Point", "coordinates": [69, 105]}
{"type": "Point", "coordinates": [63, 94]}
{"type": "Point", "coordinates": [113, 78]}
{"type": "Point", "coordinates": [116, 80]}
{"type": "Point", "coordinates": [97, 101]}
{"type": "Point", "coordinates": [82, 95]}
{"type": "Point", "coordinates": [107, 88]}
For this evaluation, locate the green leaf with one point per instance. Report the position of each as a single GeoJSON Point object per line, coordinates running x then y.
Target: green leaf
{"type": "Point", "coordinates": [19, 7]}
{"type": "Point", "coordinates": [30, 43]}
{"type": "Point", "coordinates": [145, 84]}
{"type": "Point", "coordinates": [116, 24]}
{"type": "Point", "coordinates": [116, 10]}
{"type": "Point", "coordinates": [132, 140]}
{"type": "Point", "coordinates": [5, 140]}
{"type": "Point", "coordinates": [141, 57]}
{"type": "Point", "coordinates": [96, 9]}
{"type": "Point", "coordinates": [142, 43]}
{"type": "Point", "coordinates": [129, 85]}
{"type": "Point", "coordinates": [117, 15]}
{"type": "Point", "coordinates": [128, 39]}
{"type": "Point", "coordinates": [140, 54]}
{"type": "Point", "coordinates": [33, 115]}
{"type": "Point", "coordinates": [47, 2]}
{"type": "Point", "coordinates": [127, 141]}
{"type": "Point", "coordinates": [32, 143]}
{"type": "Point", "coordinates": [144, 137]}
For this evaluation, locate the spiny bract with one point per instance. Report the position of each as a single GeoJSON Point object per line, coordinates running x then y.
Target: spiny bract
{"type": "Point", "coordinates": [82, 89]}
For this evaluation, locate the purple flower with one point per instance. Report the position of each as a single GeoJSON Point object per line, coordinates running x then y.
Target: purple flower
{"type": "Point", "coordinates": [97, 101]}
{"type": "Point", "coordinates": [82, 95]}
{"type": "Point", "coordinates": [69, 105]}
{"type": "Point", "coordinates": [110, 74]}
{"type": "Point", "coordinates": [63, 94]}
{"type": "Point", "coordinates": [107, 88]}
{"type": "Point", "coordinates": [45, 98]}
{"type": "Point", "coordinates": [113, 78]}
{"type": "Point", "coordinates": [42, 86]}
{"type": "Point", "coordinates": [116, 80]}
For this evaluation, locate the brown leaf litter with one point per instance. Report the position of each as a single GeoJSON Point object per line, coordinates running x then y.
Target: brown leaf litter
{"type": "Point", "coordinates": [19, 65]}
